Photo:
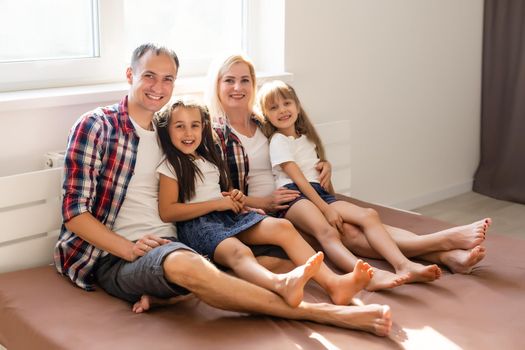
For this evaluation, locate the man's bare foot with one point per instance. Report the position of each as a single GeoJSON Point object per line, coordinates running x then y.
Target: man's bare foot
{"type": "Point", "coordinates": [467, 236]}
{"type": "Point", "coordinates": [419, 273]}
{"type": "Point", "coordinates": [463, 260]}
{"type": "Point", "coordinates": [344, 287]}
{"type": "Point", "coordinates": [291, 287]}
{"type": "Point", "coordinates": [372, 318]}
{"type": "Point", "coordinates": [385, 279]}
{"type": "Point", "coordinates": [147, 302]}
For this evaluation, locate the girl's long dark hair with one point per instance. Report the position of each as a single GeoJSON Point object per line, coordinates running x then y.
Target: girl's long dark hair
{"type": "Point", "coordinates": [185, 168]}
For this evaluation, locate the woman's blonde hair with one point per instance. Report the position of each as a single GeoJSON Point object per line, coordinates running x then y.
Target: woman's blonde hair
{"type": "Point", "coordinates": [268, 95]}
{"type": "Point", "coordinates": [216, 71]}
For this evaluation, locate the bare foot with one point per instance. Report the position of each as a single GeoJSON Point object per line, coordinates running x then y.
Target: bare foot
{"type": "Point", "coordinates": [385, 279]}
{"type": "Point", "coordinates": [292, 285]}
{"type": "Point", "coordinates": [147, 302]}
{"type": "Point", "coordinates": [467, 236]}
{"type": "Point", "coordinates": [344, 287]}
{"type": "Point", "coordinates": [463, 260]}
{"type": "Point", "coordinates": [373, 318]}
{"type": "Point", "coordinates": [419, 273]}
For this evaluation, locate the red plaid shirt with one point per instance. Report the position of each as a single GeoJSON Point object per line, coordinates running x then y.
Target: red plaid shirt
{"type": "Point", "coordinates": [99, 163]}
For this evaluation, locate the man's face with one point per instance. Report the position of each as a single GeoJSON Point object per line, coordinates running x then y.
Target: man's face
{"type": "Point", "coordinates": [151, 83]}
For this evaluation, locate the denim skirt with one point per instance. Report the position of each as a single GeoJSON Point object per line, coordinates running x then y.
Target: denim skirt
{"type": "Point", "coordinates": [204, 233]}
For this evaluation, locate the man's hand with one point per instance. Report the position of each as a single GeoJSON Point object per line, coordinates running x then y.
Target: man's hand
{"type": "Point", "coordinates": [147, 243]}
{"type": "Point", "coordinates": [325, 174]}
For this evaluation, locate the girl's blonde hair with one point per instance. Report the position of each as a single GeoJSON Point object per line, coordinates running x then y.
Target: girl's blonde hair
{"type": "Point", "coordinates": [268, 95]}
{"type": "Point", "coordinates": [216, 71]}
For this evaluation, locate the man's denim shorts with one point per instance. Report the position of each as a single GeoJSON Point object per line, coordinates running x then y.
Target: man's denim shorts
{"type": "Point", "coordinates": [130, 280]}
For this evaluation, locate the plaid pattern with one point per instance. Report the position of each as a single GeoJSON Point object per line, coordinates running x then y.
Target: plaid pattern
{"type": "Point", "coordinates": [99, 163]}
{"type": "Point", "coordinates": [233, 152]}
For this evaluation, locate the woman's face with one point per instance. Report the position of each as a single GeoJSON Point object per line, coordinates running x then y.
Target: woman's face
{"type": "Point", "coordinates": [236, 87]}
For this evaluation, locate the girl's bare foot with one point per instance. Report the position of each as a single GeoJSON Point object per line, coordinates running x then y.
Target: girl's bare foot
{"type": "Point", "coordinates": [419, 273]}
{"type": "Point", "coordinates": [291, 287]}
{"type": "Point", "coordinates": [343, 288]}
{"type": "Point", "coordinates": [463, 260]}
{"type": "Point", "coordinates": [372, 318]}
{"type": "Point", "coordinates": [467, 236]}
{"type": "Point", "coordinates": [146, 302]}
{"type": "Point", "coordinates": [385, 279]}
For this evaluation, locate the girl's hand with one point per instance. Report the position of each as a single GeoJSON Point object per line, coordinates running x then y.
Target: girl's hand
{"type": "Point", "coordinates": [325, 173]}
{"type": "Point", "coordinates": [236, 195]}
{"type": "Point", "coordinates": [147, 243]}
{"type": "Point", "coordinates": [227, 203]}
{"type": "Point", "coordinates": [334, 218]}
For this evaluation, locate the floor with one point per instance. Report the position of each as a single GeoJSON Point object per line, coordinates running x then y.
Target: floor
{"type": "Point", "coordinates": [508, 217]}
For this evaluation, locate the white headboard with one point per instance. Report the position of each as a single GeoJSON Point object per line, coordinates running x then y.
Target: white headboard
{"type": "Point", "coordinates": [30, 218]}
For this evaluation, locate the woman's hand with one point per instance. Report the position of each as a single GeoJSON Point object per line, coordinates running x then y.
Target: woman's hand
{"type": "Point", "coordinates": [334, 218]}
{"type": "Point", "coordinates": [325, 173]}
{"type": "Point", "coordinates": [278, 199]}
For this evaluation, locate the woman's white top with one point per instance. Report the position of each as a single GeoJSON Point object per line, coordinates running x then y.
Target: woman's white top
{"type": "Point", "coordinates": [260, 178]}
{"type": "Point", "coordinates": [206, 188]}
{"type": "Point", "coordinates": [299, 150]}
{"type": "Point", "coordinates": [139, 213]}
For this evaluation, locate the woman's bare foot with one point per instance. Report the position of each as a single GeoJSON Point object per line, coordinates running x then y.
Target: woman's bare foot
{"type": "Point", "coordinates": [291, 287]}
{"type": "Point", "coordinates": [372, 318]}
{"type": "Point", "coordinates": [385, 279]}
{"type": "Point", "coordinates": [344, 287]}
{"type": "Point", "coordinates": [463, 260]}
{"type": "Point", "coordinates": [418, 272]}
{"type": "Point", "coordinates": [147, 302]}
{"type": "Point", "coordinates": [467, 236]}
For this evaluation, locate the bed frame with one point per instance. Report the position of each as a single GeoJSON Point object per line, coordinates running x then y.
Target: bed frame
{"type": "Point", "coordinates": [39, 309]}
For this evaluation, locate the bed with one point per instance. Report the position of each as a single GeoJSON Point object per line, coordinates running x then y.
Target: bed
{"type": "Point", "coordinates": [39, 309]}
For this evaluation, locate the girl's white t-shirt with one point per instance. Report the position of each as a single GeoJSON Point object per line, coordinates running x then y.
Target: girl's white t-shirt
{"type": "Point", "coordinates": [260, 177]}
{"type": "Point", "coordinates": [139, 213]}
{"type": "Point", "coordinates": [206, 188]}
{"type": "Point", "coordinates": [299, 150]}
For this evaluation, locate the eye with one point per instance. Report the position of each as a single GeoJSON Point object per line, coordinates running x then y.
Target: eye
{"type": "Point", "coordinates": [245, 80]}
{"type": "Point", "coordinates": [229, 80]}
{"type": "Point", "coordinates": [169, 79]}
{"type": "Point", "coordinates": [272, 108]}
{"type": "Point", "coordinates": [148, 76]}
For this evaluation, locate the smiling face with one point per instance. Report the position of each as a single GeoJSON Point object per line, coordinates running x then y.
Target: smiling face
{"type": "Point", "coordinates": [236, 87]}
{"type": "Point", "coordinates": [151, 80]}
{"type": "Point", "coordinates": [282, 113]}
{"type": "Point", "coordinates": [185, 129]}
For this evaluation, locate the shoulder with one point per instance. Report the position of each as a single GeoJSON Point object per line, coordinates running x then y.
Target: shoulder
{"type": "Point", "coordinates": [165, 168]}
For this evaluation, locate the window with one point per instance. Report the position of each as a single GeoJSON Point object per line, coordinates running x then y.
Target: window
{"type": "Point", "coordinates": [53, 43]}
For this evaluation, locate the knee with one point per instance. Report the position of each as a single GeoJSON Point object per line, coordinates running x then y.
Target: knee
{"type": "Point", "coordinates": [186, 268]}
{"type": "Point", "coordinates": [327, 234]}
{"type": "Point", "coordinates": [284, 230]}
{"type": "Point", "coordinates": [368, 216]}
{"type": "Point", "coordinates": [352, 233]}
{"type": "Point", "coordinates": [238, 253]}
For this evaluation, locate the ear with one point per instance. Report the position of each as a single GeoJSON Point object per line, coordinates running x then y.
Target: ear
{"type": "Point", "coordinates": [129, 75]}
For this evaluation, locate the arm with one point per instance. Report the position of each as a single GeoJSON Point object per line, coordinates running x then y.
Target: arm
{"type": "Point", "coordinates": [171, 210]}
{"type": "Point", "coordinates": [297, 176]}
{"type": "Point", "coordinates": [325, 175]}
{"type": "Point", "coordinates": [274, 202]}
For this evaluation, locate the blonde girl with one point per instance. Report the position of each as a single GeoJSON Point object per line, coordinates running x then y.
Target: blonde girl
{"type": "Point", "coordinates": [194, 192]}
{"type": "Point", "coordinates": [295, 148]}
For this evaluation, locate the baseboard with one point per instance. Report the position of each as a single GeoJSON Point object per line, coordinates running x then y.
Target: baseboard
{"type": "Point", "coordinates": [434, 196]}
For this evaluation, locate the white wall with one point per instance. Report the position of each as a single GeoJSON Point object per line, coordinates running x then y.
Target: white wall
{"type": "Point", "coordinates": [407, 74]}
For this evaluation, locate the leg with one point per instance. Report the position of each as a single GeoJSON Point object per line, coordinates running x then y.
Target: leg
{"type": "Point", "coordinates": [233, 253]}
{"type": "Point", "coordinates": [382, 242]}
{"type": "Point", "coordinates": [282, 233]}
{"type": "Point", "coordinates": [448, 247]}
{"type": "Point", "coordinates": [308, 218]}
{"type": "Point", "coordinates": [220, 290]}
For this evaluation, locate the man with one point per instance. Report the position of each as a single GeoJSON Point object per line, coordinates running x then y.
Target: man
{"type": "Point", "coordinates": [112, 231]}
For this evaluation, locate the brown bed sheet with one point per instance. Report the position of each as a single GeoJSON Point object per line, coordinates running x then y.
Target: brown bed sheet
{"type": "Point", "coordinates": [485, 310]}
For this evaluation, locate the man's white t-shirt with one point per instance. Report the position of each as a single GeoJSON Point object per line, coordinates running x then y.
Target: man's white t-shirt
{"type": "Point", "coordinates": [260, 177]}
{"type": "Point", "coordinates": [139, 214]}
{"type": "Point", "coordinates": [299, 150]}
{"type": "Point", "coordinates": [206, 188]}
